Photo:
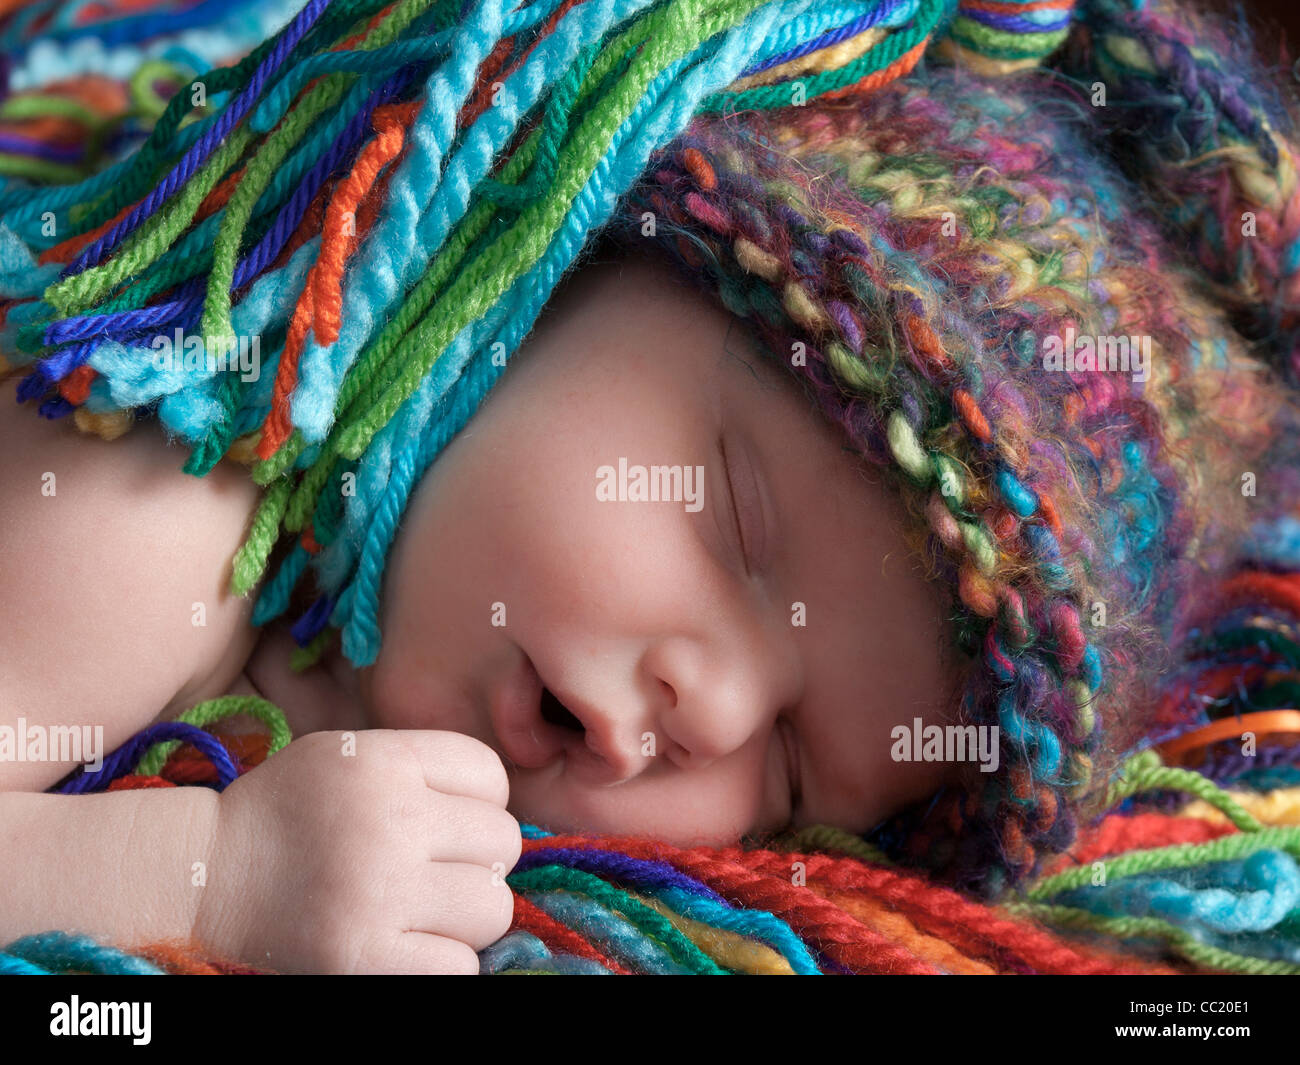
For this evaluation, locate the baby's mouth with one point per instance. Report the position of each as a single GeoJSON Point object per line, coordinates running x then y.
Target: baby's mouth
{"type": "Point", "coordinates": [531, 724]}
{"type": "Point", "coordinates": [557, 713]}
{"type": "Point", "coordinates": [534, 727]}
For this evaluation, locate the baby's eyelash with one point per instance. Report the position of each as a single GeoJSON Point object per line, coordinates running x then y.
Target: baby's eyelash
{"type": "Point", "coordinates": [731, 503]}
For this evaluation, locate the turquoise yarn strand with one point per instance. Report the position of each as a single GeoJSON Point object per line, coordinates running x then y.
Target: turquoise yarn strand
{"type": "Point", "coordinates": [60, 952]}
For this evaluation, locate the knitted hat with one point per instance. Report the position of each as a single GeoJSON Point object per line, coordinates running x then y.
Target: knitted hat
{"type": "Point", "coordinates": [934, 230]}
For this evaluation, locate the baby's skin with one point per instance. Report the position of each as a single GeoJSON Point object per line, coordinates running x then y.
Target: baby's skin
{"type": "Point", "coordinates": [728, 661]}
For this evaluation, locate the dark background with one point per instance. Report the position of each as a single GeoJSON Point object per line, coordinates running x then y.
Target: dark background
{"type": "Point", "coordinates": [1276, 24]}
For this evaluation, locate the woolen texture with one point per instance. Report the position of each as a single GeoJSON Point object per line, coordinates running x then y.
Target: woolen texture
{"type": "Point", "coordinates": [906, 202]}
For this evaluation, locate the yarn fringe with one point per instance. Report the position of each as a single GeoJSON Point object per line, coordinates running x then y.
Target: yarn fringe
{"type": "Point", "coordinates": [1211, 887]}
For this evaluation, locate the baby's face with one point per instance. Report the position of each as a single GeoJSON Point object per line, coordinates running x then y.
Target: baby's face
{"type": "Point", "coordinates": [719, 657]}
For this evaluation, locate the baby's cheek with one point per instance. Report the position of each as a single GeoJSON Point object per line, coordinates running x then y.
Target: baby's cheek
{"type": "Point", "coordinates": [698, 812]}
{"type": "Point", "coordinates": [401, 690]}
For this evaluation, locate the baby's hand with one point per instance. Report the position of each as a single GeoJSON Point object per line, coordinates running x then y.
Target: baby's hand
{"type": "Point", "coordinates": [378, 851]}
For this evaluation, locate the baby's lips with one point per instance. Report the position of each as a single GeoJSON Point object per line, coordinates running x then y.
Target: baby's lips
{"type": "Point", "coordinates": [526, 738]}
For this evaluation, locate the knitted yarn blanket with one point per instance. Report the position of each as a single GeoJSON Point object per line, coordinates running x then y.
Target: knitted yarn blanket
{"type": "Point", "coordinates": [1193, 867]}
{"type": "Point", "coordinates": [1183, 876]}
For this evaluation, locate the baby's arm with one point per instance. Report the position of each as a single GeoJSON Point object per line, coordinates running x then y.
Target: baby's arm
{"type": "Point", "coordinates": [117, 866]}
{"type": "Point", "coordinates": [105, 548]}
{"type": "Point", "coordinates": [375, 852]}
{"type": "Point", "coordinates": [378, 852]}
{"type": "Point", "coordinates": [113, 573]}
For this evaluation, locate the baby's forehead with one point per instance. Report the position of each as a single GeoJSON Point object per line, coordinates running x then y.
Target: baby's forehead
{"type": "Point", "coordinates": [628, 275]}
{"type": "Point", "coordinates": [640, 315]}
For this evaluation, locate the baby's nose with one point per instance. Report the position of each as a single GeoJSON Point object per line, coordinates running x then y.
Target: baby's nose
{"type": "Point", "coordinates": [605, 756]}
{"type": "Point", "coordinates": [715, 684]}
{"type": "Point", "coordinates": [603, 748]}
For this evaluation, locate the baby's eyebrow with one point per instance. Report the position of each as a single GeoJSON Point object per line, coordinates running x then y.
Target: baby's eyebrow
{"type": "Point", "coordinates": [727, 348]}
{"type": "Point", "coordinates": [737, 355]}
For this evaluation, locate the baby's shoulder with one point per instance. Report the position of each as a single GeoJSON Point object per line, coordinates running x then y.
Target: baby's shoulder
{"type": "Point", "coordinates": [115, 565]}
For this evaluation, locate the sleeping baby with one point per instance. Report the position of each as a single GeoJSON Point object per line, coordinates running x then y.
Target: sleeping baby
{"type": "Point", "coordinates": [616, 665]}
{"type": "Point", "coordinates": [673, 420]}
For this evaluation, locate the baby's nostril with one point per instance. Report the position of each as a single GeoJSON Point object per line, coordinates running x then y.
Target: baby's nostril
{"type": "Point", "coordinates": [556, 713]}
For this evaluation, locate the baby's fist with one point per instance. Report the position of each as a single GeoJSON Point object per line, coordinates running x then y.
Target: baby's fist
{"type": "Point", "coordinates": [378, 851]}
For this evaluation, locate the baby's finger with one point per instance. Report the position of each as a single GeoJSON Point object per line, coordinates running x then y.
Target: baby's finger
{"type": "Point", "coordinates": [419, 953]}
{"type": "Point", "coordinates": [469, 830]}
{"type": "Point", "coordinates": [465, 902]}
{"type": "Point", "coordinates": [448, 761]}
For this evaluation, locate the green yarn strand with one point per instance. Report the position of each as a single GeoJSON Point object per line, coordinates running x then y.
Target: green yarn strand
{"type": "Point", "coordinates": [252, 557]}
{"type": "Point", "coordinates": [1178, 856]}
{"type": "Point", "coordinates": [650, 922]}
{"type": "Point", "coordinates": [263, 166]}
{"type": "Point", "coordinates": [1144, 772]}
{"type": "Point", "coordinates": [875, 59]}
{"type": "Point", "coordinates": [212, 711]}
{"type": "Point", "coordinates": [1153, 928]}
{"type": "Point", "coordinates": [476, 290]}
{"type": "Point", "coordinates": [74, 294]}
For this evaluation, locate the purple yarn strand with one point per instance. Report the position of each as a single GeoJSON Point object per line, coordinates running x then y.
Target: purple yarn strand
{"type": "Point", "coordinates": [203, 147]}
{"type": "Point", "coordinates": [830, 37]}
{"type": "Point", "coordinates": [1016, 24]}
{"type": "Point", "coordinates": [271, 244]}
{"type": "Point", "coordinates": [122, 760]}
{"type": "Point", "coordinates": [56, 153]}
{"type": "Point", "coordinates": [113, 326]}
{"type": "Point", "coordinates": [123, 325]}
{"type": "Point", "coordinates": [55, 407]}
{"type": "Point", "coordinates": [53, 368]}
{"type": "Point", "coordinates": [305, 629]}
{"type": "Point", "coordinates": [639, 871]}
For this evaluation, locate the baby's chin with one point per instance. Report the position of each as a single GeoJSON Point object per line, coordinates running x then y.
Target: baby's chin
{"type": "Point", "coordinates": [543, 798]}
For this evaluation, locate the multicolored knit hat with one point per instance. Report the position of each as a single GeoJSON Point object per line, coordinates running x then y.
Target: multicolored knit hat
{"type": "Point", "coordinates": [938, 218]}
